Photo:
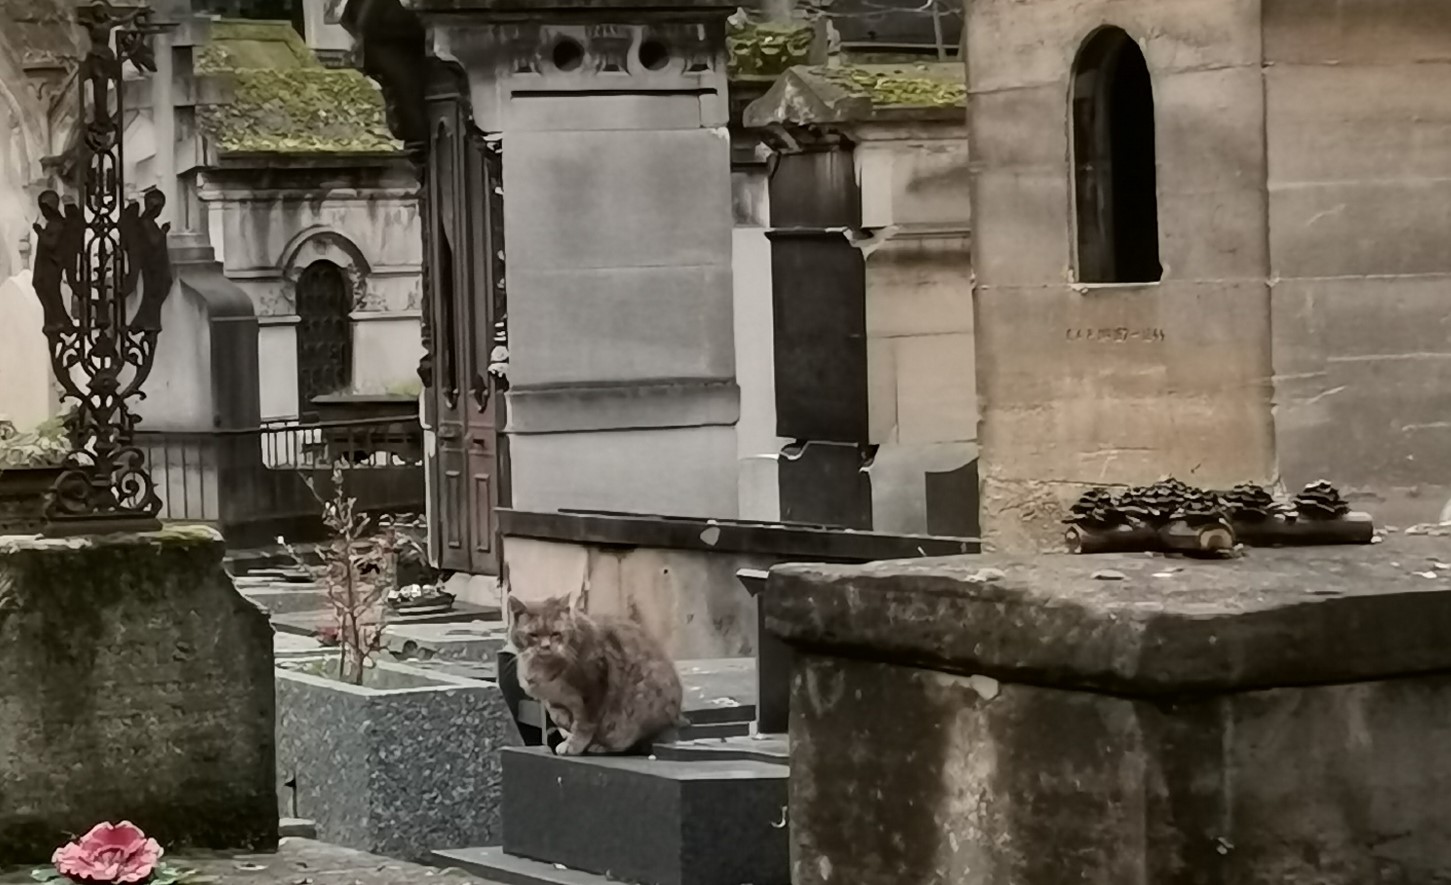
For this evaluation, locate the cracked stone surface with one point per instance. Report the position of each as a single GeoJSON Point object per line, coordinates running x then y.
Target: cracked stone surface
{"type": "Point", "coordinates": [1275, 617]}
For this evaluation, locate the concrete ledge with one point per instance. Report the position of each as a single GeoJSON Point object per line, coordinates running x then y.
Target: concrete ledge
{"type": "Point", "coordinates": [1159, 627]}
{"type": "Point", "coordinates": [573, 408]}
{"type": "Point", "coordinates": [725, 536]}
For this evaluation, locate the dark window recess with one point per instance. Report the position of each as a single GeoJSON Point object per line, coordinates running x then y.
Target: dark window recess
{"type": "Point", "coordinates": [1115, 180]}
{"type": "Point", "coordinates": [324, 334]}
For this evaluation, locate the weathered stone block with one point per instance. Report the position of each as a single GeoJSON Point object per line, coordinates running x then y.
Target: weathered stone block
{"type": "Point", "coordinates": [402, 765]}
{"type": "Point", "coordinates": [1282, 718]}
{"type": "Point", "coordinates": [1117, 349]}
{"type": "Point", "coordinates": [680, 471]}
{"type": "Point", "coordinates": [936, 398]}
{"type": "Point", "coordinates": [920, 285]}
{"type": "Point", "coordinates": [688, 823]}
{"type": "Point", "coordinates": [135, 682]}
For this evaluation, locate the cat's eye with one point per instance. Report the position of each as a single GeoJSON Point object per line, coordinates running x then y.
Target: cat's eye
{"type": "Point", "coordinates": [555, 637]}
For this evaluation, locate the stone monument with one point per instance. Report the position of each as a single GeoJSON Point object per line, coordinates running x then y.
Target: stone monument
{"type": "Point", "coordinates": [1123, 718]}
{"type": "Point", "coordinates": [135, 682]}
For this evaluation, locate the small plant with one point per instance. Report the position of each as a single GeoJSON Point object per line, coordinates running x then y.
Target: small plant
{"type": "Point", "coordinates": [45, 446]}
{"type": "Point", "coordinates": [359, 567]}
{"type": "Point", "coordinates": [118, 853]}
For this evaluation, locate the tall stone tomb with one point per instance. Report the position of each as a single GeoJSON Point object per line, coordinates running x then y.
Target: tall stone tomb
{"type": "Point", "coordinates": [616, 206]}
{"type": "Point", "coordinates": [1209, 241]}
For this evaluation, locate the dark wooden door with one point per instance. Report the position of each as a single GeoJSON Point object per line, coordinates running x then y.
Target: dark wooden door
{"type": "Point", "coordinates": [464, 301]}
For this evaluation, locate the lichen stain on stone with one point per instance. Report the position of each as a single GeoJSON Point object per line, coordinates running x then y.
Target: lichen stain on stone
{"type": "Point", "coordinates": [767, 48]}
{"type": "Point", "coordinates": [824, 696]}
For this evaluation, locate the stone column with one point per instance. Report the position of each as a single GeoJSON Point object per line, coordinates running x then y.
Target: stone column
{"type": "Point", "coordinates": [1117, 720]}
{"type": "Point", "coordinates": [617, 206]}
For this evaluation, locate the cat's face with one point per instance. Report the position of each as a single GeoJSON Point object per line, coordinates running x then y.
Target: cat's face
{"type": "Point", "coordinates": [544, 626]}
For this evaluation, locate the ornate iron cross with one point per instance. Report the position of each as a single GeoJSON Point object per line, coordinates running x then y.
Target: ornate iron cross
{"type": "Point", "coordinates": [102, 272]}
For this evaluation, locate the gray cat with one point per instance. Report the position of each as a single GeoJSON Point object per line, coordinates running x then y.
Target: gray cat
{"type": "Point", "coordinates": [605, 682]}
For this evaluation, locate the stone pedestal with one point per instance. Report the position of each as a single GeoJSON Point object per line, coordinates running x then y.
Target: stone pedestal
{"type": "Point", "coordinates": [135, 683]}
{"type": "Point", "coordinates": [1283, 718]}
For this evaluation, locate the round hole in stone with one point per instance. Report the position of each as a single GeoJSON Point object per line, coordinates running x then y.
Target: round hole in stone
{"type": "Point", "coordinates": [654, 55]}
{"type": "Point", "coordinates": [568, 55]}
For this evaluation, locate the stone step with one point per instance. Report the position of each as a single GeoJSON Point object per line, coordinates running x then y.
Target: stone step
{"type": "Point", "coordinates": [772, 749]}
{"type": "Point", "coordinates": [306, 623]}
{"type": "Point", "coordinates": [287, 599]}
{"type": "Point", "coordinates": [506, 869]}
{"type": "Point", "coordinates": [477, 641]}
{"type": "Point", "coordinates": [713, 730]}
{"type": "Point", "coordinates": [648, 821]}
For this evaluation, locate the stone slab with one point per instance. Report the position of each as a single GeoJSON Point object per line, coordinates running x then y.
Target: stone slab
{"type": "Point", "coordinates": [401, 766]}
{"type": "Point", "coordinates": [299, 861]}
{"type": "Point", "coordinates": [771, 748]}
{"type": "Point", "coordinates": [690, 823]}
{"type": "Point", "coordinates": [719, 689]}
{"type": "Point", "coordinates": [286, 645]}
{"type": "Point", "coordinates": [468, 641]}
{"type": "Point", "coordinates": [483, 671]}
{"type": "Point", "coordinates": [307, 623]}
{"type": "Point", "coordinates": [135, 683]}
{"type": "Point", "coordinates": [1275, 617]}
{"type": "Point", "coordinates": [511, 870]}
{"type": "Point", "coordinates": [285, 599]}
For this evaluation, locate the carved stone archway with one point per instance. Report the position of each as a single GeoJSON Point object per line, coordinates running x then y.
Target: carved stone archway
{"type": "Point", "coordinates": [325, 244]}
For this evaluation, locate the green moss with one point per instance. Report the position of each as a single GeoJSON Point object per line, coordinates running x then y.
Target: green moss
{"type": "Point", "coordinates": [284, 101]}
{"type": "Point", "coordinates": [918, 86]}
{"type": "Point", "coordinates": [767, 48]}
{"type": "Point", "coordinates": [301, 111]}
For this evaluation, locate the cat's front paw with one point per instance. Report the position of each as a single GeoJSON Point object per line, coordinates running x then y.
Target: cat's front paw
{"type": "Point", "coordinates": [571, 747]}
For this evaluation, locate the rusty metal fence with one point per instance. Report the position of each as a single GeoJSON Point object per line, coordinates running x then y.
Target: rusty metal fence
{"type": "Point", "coordinates": [258, 483]}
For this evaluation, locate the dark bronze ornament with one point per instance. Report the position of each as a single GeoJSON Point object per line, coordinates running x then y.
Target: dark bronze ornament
{"type": "Point", "coordinates": [102, 273]}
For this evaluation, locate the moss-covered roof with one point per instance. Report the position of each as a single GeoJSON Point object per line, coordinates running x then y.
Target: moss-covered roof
{"type": "Point", "coordinates": [764, 48]}
{"type": "Point", "coordinates": [284, 101]}
{"type": "Point", "coordinates": [938, 85]}
{"type": "Point", "coordinates": [862, 93]}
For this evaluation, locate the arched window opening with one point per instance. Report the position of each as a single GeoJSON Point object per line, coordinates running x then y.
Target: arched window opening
{"type": "Point", "coordinates": [1115, 180]}
{"type": "Point", "coordinates": [324, 334]}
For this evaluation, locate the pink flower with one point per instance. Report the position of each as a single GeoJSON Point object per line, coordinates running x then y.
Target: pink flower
{"type": "Point", "coordinates": [109, 853]}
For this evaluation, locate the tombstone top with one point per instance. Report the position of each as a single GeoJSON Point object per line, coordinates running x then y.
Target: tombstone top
{"type": "Point", "coordinates": [1133, 623]}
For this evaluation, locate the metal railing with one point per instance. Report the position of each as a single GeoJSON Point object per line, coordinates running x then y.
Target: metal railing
{"type": "Point", "coordinates": [258, 483]}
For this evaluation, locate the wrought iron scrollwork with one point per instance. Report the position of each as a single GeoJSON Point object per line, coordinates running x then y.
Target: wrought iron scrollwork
{"type": "Point", "coordinates": [102, 273]}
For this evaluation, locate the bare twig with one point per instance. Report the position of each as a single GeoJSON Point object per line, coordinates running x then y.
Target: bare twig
{"type": "Point", "coordinates": [359, 568]}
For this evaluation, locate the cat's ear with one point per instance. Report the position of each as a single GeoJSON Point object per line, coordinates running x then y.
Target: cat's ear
{"type": "Point", "coordinates": [517, 606]}
{"type": "Point", "coordinates": [577, 604]}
